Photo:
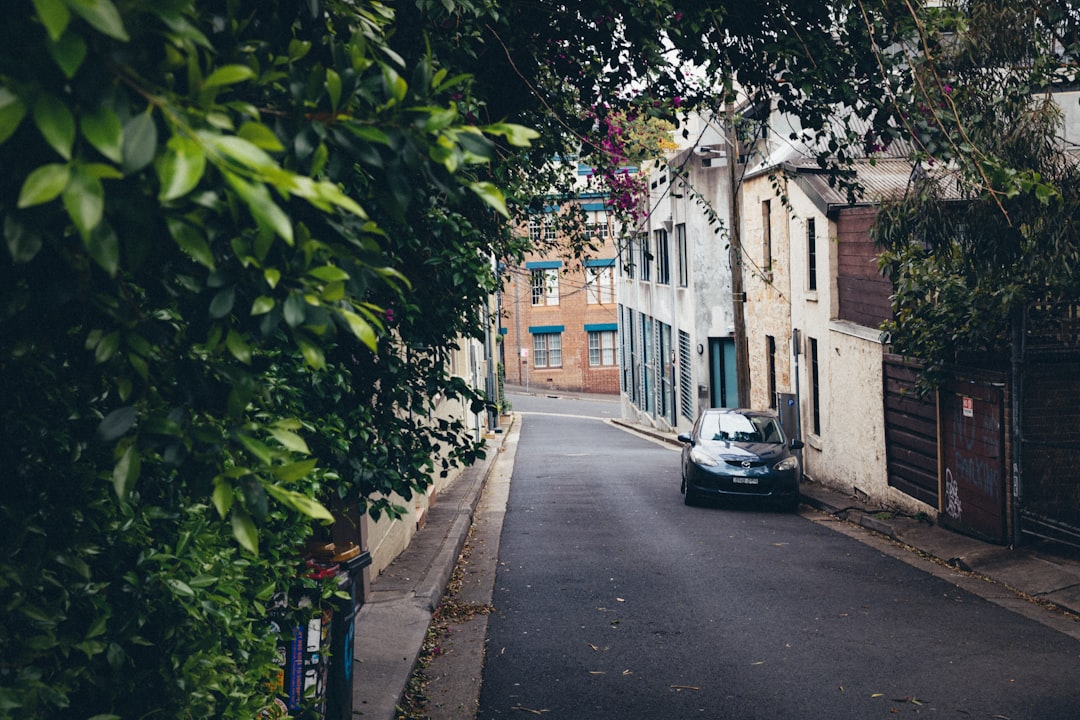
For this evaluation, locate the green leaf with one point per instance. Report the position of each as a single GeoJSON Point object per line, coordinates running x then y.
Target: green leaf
{"type": "Point", "coordinates": [238, 347]}
{"type": "Point", "coordinates": [228, 75]}
{"type": "Point", "coordinates": [239, 150]}
{"type": "Point", "coordinates": [300, 502]}
{"type": "Point", "coordinates": [329, 273]}
{"type": "Point", "coordinates": [491, 195]}
{"type": "Point", "coordinates": [23, 242]}
{"type": "Point", "coordinates": [104, 246]}
{"type": "Point", "coordinates": [223, 302]}
{"type": "Point", "coordinates": [179, 168]}
{"type": "Point", "coordinates": [294, 471]}
{"type": "Point", "coordinates": [361, 329]}
{"type": "Point", "coordinates": [84, 200]}
{"type": "Point", "coordinates": [222, 497]}
{"type": "Point", "coordinates": [260, 136]}
{"type": "Point", "coordinates": [114, 425]}
{"type": "Point", "coordinates": [12, 112]}
{"type": "Point", "coordinates": [126, 472]}
{"type": "Point", "coordinates": [192, 241]}
{"type": "Point", "coordinates": [55, 123]}
{"type": "Point", "coordinates": [333, 88]}
{"type": "Point", "coordinates": [264, 210]}
{"type": "Point", "coordinates": [140, 142]}
{"type": "Point", "coordinates": [106, 347]}
{"type": "Point", "coordinates": [258, 449]}
{"type": "Point", "coordinates": [68, 52]}
{"type": "Point", "coordinates": [262, 305]}
{"type": "Point", "coordinates": [44, 184]}
{"type": "Point", "coordinates": [102, 15]}
{"type": "Point", "coordinates": [290, 440]}
{"type": "Point", "coordinates": [517, 135]}
{"type": "Point", "coordinates": [295, 310]}
{"type": "Point", "coordinates": [244, 531]}
{"type": "Point", "coordinates": [54, 16]}
{"type": "Point", "coordinates": [179, 587]}
{"type": "Point", "coordinates": [103, 130]}
{"type": "Point", "coordinates": [272, 277]}
{"type": "Point", "coordinates": [313, 354]}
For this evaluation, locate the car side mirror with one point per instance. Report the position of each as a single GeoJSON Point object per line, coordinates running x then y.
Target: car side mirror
{"type": "Point", "coordinates": [685, 438]}
{"type": "Point", "coordinates": [796, 444]}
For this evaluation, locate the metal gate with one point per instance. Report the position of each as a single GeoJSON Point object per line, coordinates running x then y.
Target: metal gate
{"type": "Point", "coordinates": [973, 455]}
{"type": "Point", "coordinates": [1049, 489]}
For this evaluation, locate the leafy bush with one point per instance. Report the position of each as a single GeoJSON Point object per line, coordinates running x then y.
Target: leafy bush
{"type": "Point", "coordinates": [240, 241]}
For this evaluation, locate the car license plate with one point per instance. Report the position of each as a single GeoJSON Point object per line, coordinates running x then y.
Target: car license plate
{"type": "Point", "coordinates": [744, 481]}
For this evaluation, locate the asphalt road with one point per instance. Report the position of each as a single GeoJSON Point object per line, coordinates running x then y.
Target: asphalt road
{"type": "Point", "coordinates": [614, 600]}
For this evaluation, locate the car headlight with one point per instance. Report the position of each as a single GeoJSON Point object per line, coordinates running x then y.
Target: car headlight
{"type": "Point", "coordinates": [700, 457]}
{"type": "Point", "coordinates": [788, 463]}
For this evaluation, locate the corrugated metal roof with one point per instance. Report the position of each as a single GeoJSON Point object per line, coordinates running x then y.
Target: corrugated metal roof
{"type": "Point", "coordinates": [878, 180]}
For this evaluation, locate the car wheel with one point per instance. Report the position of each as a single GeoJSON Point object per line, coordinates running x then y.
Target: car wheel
{"type": "Point", "coordinates": [689, 498]}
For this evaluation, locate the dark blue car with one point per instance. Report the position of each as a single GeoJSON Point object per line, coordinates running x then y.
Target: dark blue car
{"type": "Point", "coordinates": [740, 453]}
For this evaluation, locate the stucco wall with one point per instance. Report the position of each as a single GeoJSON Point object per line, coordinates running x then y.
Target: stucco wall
{"type": "Point", "coordinates": [768, 290]}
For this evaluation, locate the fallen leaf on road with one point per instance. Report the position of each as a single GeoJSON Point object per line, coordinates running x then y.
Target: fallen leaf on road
{"type": "Point", "coordinates": [619, 600]}
{"type": "Point", "coordinates": [683, 687]}
{"type": "Point", "coordinates": [597, 672]}
{"type": "Point", "coordinates": [529, 710]}
{"type": "Point", "coordinates": [759, 662]}
{"type": "Point", "coordinates": [627, 672]}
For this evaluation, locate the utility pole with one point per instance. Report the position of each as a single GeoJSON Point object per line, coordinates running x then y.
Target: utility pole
{"type": "Point", "coordinates": [738, 293]}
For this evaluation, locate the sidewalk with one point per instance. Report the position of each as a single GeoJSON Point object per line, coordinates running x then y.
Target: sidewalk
{"type": "Point", "coordinates": [393, 621]}
{"type": "Point", "coordinates": [392, 624]}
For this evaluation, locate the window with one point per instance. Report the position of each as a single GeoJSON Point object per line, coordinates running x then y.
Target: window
{"type": "Point", "coordinates": [628, 262]}
{"type": "Point", "coordinates": [770, 355]}
{"type": "Point", "coordinates": [601, 347]}
{"type": "Point", "coordinates": [646, 257]}
{"type": "Point", "coordinates": [682, 266]}
{"type": "Point", "coordinates": [666, 371]}
{"type": "Point", "coordinates": [647, 387]}
{"type": "Point", "coordinates": [815, 386]}
{"type": "Point", "coordinates": [549, 228]}
{"type": "Point", "coordinates": [663, 258]}
{"type": "Point", "coordinates": [600, 288]}
{"type": "Point", "coordinates": [547, 350]}
{"type": "Point", "coordinates": [545, 286]}
{"type": "Point", "coordinates": [598, 228]}
{"type": "Point", "coordinates": [536, 229]}
{"type": "Point", "coordinates": [766, 238]}
{"type": "Point", "coordinates": [686, 380]}
{"type": "Point", "coordinates": [811, 255]}
{"type": "Point", "coordinates": [631, 369]}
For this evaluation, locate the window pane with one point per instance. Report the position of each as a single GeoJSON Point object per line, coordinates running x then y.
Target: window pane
{"type": "Point", "coordinates": [554, 349]}
{"type": "Point", "coordinates": [540, 357]}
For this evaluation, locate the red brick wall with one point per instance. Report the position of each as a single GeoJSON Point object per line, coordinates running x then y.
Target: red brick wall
{"type": "Point", "coordinates": [573, 312]}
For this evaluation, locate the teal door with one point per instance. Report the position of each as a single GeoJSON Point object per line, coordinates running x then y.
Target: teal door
{"type": "Point", "coordinates": [723, 381]}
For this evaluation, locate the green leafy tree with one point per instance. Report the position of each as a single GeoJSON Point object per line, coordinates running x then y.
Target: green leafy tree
{"type": "Point", "coordinates": [990, 223]}
{"type": "Point", "coordinates": [241, 239]}
{"type": "Point", "coordinates": [239, 242]}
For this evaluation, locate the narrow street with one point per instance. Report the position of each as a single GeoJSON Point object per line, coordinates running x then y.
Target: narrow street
{"type": "Point", "coordinates": [614, 600]}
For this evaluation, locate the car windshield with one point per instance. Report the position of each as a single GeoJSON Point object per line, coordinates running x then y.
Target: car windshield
{"type": "Point", "coordinates": [733, 427]}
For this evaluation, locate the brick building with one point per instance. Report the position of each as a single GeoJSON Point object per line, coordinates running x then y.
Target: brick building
{"type": "Point", "coordinates": [559, 315]}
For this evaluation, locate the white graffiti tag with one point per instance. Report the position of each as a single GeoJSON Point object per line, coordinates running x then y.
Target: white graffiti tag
{"type": "Point", "coordinates": [952, 496]}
